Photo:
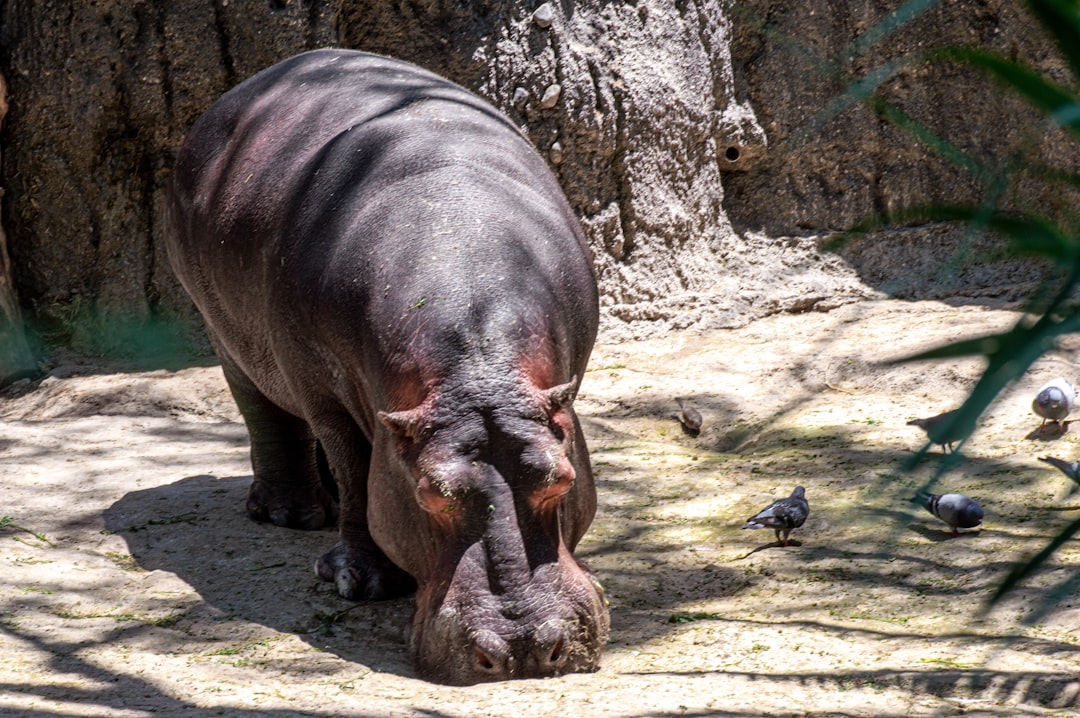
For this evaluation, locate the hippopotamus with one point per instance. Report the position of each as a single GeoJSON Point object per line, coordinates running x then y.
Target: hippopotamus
{"type": "Point", "coordinates": [403, 304]}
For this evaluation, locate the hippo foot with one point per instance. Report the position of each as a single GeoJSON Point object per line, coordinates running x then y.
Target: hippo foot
{"type": "Point", "coordinates": [363, 576]}
{"type": "Point", "coordinates": [307, 509]}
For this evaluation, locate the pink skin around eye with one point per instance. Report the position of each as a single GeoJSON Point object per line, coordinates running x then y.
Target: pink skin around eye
{"type": "Point", "coordinates": [431, 499]}
{"type": "Point", "coordinates": [562, 481]}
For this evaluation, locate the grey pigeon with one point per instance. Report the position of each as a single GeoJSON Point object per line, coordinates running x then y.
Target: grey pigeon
{"type": "Point", "coordinates": [1054, 402]}
{"type": "Point", "coordinates": [782, 516]}
{"type": "Point", "coordinates": [1069, 468]}
{"type": "Point", "coordinates": [957, 510]}
{"type": "Point", "coordinates": [934, 425]}
{"type": "Point", "coordinates": [690, 417]}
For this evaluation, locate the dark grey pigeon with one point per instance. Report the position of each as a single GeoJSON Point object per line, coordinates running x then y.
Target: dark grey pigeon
{"type": "Point", "coordinates": [1054, 402]}
{"type": "Point", "coordinates": [782, 516]}
{"type": "Point", "coordinates": [934, 426]}
{"type": "Point", "coordinates": [1069, 468]}
{"type": "Point", "coordinates": [690, 417]}
{"type": "Point", "coordinates": [957, 510]}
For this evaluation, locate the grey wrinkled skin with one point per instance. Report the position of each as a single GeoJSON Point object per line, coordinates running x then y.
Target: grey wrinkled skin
{"type": "Point", "coordinates": [403, 305]}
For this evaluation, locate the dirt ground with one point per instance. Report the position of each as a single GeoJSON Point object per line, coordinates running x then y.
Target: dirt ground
{"type": "Point", "coordinates": [132, 584]}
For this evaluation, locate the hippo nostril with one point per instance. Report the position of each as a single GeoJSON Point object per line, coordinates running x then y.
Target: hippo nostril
{"type": "Point", "coordinates": [556, 651]}
{"type": "Point", "coordinates": [549, 650]}
{"type": "Point", "coordinates": [482, 659]}
{"type": "Point", "coordinates": [492, 656]}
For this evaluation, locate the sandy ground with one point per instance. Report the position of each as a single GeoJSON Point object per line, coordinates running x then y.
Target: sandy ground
{"type": "Point", "coordinates": [132, 583]}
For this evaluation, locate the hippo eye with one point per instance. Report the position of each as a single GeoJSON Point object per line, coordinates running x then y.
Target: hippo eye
{"type": "Point", "coordinates": [557, 483]}
{"type": "Point", "coordinates": [434, 498]}
{"type": "Point", "coordinates": [557, 430]}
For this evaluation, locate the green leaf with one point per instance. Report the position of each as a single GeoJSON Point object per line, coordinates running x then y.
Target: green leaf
{"type": "Point", "coordinates": [968, 347]}
{"type": "Point", "coordinates": [1029, 234]}
{"type": "Point", "coordinates": [1061, 18]}
{"type": "Point", "coordinates": [858, 91]}
{"type": "Point", "coordinates": [1026, 568]}
{"type": "Point", "coordinates": [1051, 174]}
{"type": "Point", "coordinates": [892, 22]}
{"type": "Point", "coordinates": [1056, 101]}
{"type": "Point", "coordinates": [932, 140]}
{"type": "Point", "coordinates": [1034, 235]}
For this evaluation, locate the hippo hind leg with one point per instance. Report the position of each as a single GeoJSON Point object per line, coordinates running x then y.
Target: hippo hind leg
{"type": "Point", "coordinates": [289, 489]}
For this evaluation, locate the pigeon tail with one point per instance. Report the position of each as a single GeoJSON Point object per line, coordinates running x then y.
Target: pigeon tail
{"type": "Point", "coordinates": [1069, 468]}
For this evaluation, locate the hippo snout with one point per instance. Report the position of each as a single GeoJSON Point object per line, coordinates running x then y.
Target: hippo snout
{"type": "Point", "coordinates": [544, 653]}
{"type": "Point", "coordinates": [474, 639]}
{"type": "Point", "coordinates": [479, 655]}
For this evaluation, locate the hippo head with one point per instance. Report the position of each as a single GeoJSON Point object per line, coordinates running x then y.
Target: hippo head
{"type": "Point", "coordinates": [504, 492]}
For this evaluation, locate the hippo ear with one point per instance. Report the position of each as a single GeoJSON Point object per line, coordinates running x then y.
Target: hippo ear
{"type": "Point", "coordinates": [558, 397]}
{"type": "Point", "coordinates": [405, 424]}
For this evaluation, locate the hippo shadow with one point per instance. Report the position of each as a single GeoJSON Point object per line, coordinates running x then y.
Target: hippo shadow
{"type": "Point", "coordinates": [197, 529]}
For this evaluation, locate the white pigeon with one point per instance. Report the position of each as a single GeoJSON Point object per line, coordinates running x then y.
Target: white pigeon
{"type": "Point", "coordinates": [783, 515]}
{"type": "Point", "coordinates": [957, 510]}
{"type": "Point", "coordinates": [1054, 402]}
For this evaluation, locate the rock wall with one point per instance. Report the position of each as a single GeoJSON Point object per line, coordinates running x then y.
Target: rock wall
{"type": "Point", "coordinates": [633, 105]}
{"type": "Point", "coordinates": [683, 133]}
{"type": "Point", "coordinates": [16, 359]}
{"type": "Point", "coordinates": [824, 174]}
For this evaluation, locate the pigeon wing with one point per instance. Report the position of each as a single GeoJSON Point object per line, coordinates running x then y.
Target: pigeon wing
{"type": "Point", "coordinates": [785, 513]}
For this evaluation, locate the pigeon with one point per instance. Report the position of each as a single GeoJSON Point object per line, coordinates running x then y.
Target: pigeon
{"type": "Point", "coordinates": [1054, 402]}
{"type": "Point", "coordinates": [782, 516]}
{"type": "Point", "coordinates": [957, 510]}
{"type": "Point", "coordinates": [1069, 468]}
{"type": "Point", "coordinates": [933, 427]}
{"type": "Point", "coordinates": [690, 417]}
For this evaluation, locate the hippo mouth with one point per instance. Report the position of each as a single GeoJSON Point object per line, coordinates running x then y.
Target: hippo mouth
{"type": "Point", "coordinates": [468, 638]}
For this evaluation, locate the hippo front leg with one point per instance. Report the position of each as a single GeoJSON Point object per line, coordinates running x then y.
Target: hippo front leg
{"type": "Point", "coordinates": [287, 490]}
{"type": "Point", "coordinates": [356, 565]}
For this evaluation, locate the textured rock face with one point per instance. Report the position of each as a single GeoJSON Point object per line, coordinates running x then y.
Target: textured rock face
{"type": "Point", "coordinates": [633, 105]}
{"type": "Point", "coordinates": [823, 175]}
{"type": "Point", "coordinates": [101, 96]}
{"type": "Point", "coordinates": [16, 359]}
{"type": "Point", "coordinates": [662, 121]}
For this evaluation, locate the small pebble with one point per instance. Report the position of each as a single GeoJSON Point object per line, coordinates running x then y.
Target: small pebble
{"type": "Point", "coordinates": [544, 15]}
{"type": "Point", "coordinates": [556, 154]}
{"type": "Point", "coordinates": [551, 96]}
{"type": "Point", "coordinates": [521, 96]}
